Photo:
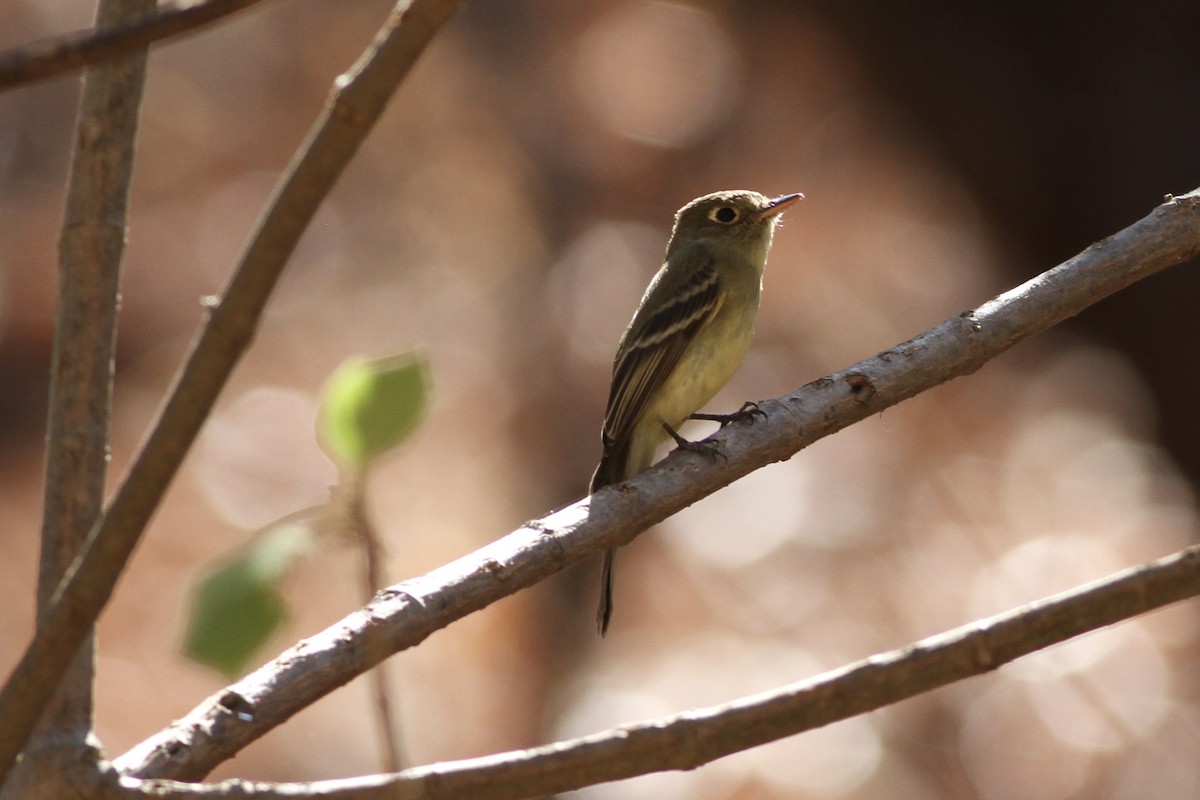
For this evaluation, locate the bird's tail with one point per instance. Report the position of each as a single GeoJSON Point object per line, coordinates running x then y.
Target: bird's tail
{"type": "Point", "coordinates": [605, 609]}
{"type": "Point", "coordinates": [610, 470]}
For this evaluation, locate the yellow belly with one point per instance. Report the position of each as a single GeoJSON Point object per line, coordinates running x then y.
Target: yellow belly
{"type": "Point", "coordinates": [703, 369]}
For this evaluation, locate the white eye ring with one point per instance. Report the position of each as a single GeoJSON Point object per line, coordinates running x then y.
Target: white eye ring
{"type": "Point", "coordinates": [725, 215]}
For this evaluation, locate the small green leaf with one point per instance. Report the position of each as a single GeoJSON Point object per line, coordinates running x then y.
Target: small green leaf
{"type": "Point", "coordinates": [238, 605]}
{"type": "Point", "coordinates": [370, 406]}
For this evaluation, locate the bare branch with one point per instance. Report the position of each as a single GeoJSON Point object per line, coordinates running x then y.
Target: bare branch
{"type": "Point", "coordinates": [697, 737]}
{"type": "Point", "coordinates": [405, 614]}
{"type": "Point", "coordinates": [357, 101]}
{"type": "Point", "coordinates": [91, 251]}
{"type": "Point", "coordinates": [50, 57]}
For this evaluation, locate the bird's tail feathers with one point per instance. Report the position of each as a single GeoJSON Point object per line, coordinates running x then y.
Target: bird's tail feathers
{"type": "Point", "coordinates": [605, 609]}
{"type": "Point", "coordinates": [611, 468]}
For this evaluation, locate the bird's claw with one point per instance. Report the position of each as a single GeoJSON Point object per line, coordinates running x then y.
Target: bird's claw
{"type": "Point", "coordinates": [704, 448]}
{"type": "Point", "coordinates": [746, 413]}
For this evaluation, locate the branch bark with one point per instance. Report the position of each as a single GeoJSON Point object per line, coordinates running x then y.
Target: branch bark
{"type": "Point", "coordinates": [50, 57]}
{"type": "Point", "coordinates": [91, 250]}
{"type": "Point", "coordinates": [358, 99]}
{"type": "Point", "coordinates": [405, 614]}
{"type": "Point", "coordinates": [697, 737]}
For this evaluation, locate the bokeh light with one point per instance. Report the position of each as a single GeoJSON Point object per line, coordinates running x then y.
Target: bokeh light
{"type": "Point", "coordinates": [506, 216]}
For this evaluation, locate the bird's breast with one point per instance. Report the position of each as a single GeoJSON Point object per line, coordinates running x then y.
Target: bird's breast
{"type": "Point", "coordinates": [707, 364]}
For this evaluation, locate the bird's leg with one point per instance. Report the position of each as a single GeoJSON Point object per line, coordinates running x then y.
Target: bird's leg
{"type": "Point", "coordinates": [746, 413]}
{"type": "Point", "coordinates": [710, 450]}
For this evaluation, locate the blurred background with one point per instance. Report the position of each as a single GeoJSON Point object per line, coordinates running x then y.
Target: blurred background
{"type": "Point", "coordinates": [506, 216]}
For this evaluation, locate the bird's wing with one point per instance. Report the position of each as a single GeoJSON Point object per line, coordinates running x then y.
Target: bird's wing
{"type": "Point", "coordinates": [653, 347]}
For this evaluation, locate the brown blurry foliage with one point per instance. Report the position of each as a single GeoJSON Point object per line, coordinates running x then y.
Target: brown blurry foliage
{"type": "Point", "coordinates": [507, 213]}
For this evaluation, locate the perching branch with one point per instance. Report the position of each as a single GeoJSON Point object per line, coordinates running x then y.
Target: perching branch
{"type": "Point", "coordinates": [697, 737]}
{"type": "Point", "coordinates": [357, 101]}
{"type": "Point", "coordinates": [51, 57]}
{"type": "Point", "coordinates": [405, 614]}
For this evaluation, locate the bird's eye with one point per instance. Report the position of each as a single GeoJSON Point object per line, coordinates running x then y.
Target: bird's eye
{"type": "Point", "coordinates": [726, 215]}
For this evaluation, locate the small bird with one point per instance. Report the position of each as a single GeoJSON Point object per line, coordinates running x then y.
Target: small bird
{"type": "Point", "coordinates": [686, 338]}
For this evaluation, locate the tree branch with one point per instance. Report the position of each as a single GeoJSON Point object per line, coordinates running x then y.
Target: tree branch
{"type": "Point", "coordinates": [50, 57]}
{"type": "Point", "coordinates": [357, 101]}
{"type": "Point", "coordinates": [694, 738]}
{"type": "Point", "coordinates": [405, 614]}
{"type": "Point", "coordinates": [91, 251]}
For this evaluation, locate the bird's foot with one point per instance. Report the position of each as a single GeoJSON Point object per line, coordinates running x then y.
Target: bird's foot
{"type": "Point", "coordinates": [746, 413]}
{"type": "Point", "coordinates": [705, 448]}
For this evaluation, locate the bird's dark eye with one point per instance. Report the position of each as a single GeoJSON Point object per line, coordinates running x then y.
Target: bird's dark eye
{"type": "Point", "coordinates": [725, 215]}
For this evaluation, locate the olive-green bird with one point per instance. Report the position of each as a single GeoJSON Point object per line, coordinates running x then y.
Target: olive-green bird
{"type": "Point", "coordinates": [687, 337]}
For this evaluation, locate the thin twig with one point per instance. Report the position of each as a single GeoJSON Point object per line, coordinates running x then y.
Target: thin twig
{"type": "Point", "coordinates": [405, 614]}
{"type": "Point", "coordinates": [354, 489]}
{"type": "Point", "coordinates": [50, 57]}
{"type": "Point", "coordinates": [357, 101]}
{"type": "Point", "coordinates": [697, 737]}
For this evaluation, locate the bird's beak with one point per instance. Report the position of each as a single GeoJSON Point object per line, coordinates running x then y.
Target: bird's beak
{"type": "Point", "coordinates": [779, 204]}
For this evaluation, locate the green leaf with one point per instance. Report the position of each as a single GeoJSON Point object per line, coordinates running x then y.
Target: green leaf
{"type": "Point", "coordinates": [237, 607]}
{"type": "Point", "coordinates": [370, 406]}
